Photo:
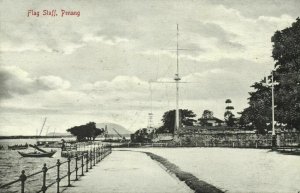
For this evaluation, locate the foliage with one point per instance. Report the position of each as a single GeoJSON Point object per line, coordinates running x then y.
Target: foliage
{"type": "Point", "coordinates": [86, 132]}
{"type": "Point", "coordinates": [228, 101]}
{"type": "Point", "coordinates": [229, 117]}
{"type": "Point", "coordinates": [142, 136]}
{"type": "Point", "coordinates": [229, 108]}
{"type": "Point", "coordinates": [207, 114]}
{"type": "Point", "coordinates": [259, 113]}
{"type": "Point", "coordinates": [185, 116]}
{"type": "Point", "coordinates": [286, 53]}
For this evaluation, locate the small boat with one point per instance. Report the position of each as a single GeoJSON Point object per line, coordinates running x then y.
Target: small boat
{"type": "Point", "coordinates": [37, 154]}
{"type": "Point", "coordinates": [17, 147]}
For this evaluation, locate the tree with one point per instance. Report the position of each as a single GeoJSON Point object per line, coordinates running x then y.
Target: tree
{"type": "Point", "coordinates": [229, 117]}
{"type": "Point", "coordinates": [185, 116]}
{"type": "Point", "coordinates": [86, 132]}
{"type": "Point", "coordinates": [207, 114]}
{"type": "Point", "coordinates": [286, 53]}
{"type": "Point", "coordinates": [259, 113]}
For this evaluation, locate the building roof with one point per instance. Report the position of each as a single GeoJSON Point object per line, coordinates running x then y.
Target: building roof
{"type": "Point", "coordinates": [212, 119]}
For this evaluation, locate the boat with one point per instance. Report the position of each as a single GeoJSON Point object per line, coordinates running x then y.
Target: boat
{"type": "Point", "coordinates": [38, 151]}
{"type": "Point", "coordinates": [17, 147]}
{"type": "Point", "coordinates": [37, 154]}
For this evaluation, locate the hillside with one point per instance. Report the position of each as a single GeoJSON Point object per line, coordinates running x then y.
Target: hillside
{"type": "Point", "coordinates": [110, 126]}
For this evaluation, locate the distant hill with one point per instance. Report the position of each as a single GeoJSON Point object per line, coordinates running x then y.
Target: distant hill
{"type": "Point", "coordinates": [110, 127]}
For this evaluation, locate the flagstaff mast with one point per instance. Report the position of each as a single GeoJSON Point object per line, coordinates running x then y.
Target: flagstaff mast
{"type": "Point", "coordinates": [177, 79]}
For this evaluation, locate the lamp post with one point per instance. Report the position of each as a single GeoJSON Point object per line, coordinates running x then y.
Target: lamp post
{"type": "Point", "coordinates": [273, 116]}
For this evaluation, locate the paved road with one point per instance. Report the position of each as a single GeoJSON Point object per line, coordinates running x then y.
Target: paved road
{"type": "Point", "coordinates": [128, 172]}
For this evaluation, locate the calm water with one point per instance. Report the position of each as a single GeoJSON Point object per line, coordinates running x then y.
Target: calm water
{"type": "Point", "coordinates": [237, 170]}
{"type": "Point", "coordinates": [11, 165]}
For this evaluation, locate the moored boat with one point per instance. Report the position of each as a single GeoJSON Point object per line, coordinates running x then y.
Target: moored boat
{"type": "Point", "coordinates": [37, 154]}
{"type": "Point", "coordinates": [17, 147]}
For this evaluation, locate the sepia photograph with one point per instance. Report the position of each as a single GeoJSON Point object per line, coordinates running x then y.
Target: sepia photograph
{"type": "Point", "coordinates": [150, 96]}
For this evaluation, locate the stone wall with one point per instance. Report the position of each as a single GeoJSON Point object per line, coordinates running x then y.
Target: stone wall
{"type": "Point", "coordinates": [236, 139]}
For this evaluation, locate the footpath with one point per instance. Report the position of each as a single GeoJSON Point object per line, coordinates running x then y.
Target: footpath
{"type": "Point", "coordinates": [128, 172]}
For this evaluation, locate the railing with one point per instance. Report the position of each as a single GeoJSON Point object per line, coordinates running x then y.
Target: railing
{"type": "Point", "coordinates": [86, 160]}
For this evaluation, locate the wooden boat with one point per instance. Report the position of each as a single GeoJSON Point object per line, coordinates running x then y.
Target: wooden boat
{"type": "Point", "coordinates": [37, 154]}
{"type": "Point", "coordinates": [17, 147]}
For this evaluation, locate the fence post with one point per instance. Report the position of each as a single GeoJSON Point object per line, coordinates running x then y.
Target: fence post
{"type": "Point", "coordinates": [58, 179]}
{"type": "Point", "coordinates": [87, 161]}
{"type": "Point", "coordinates": [97, 154]}
{"type": "Point", "coordinates": [44, 187]}
{"type": "Point", "coordinates": [23, 178]}
{"type": "Point", "coordinates": [91, 160]}
{"type": "Point", "coordinates": [101, 152]}
{"type": "Point", "coordinates": [94, 156]}
{"type": "Point", "coordinates": [69, 172]}
{"type": "Point", "coordinates": [76, 167]}
{"type": "Point", "coordinates": [82, 154]}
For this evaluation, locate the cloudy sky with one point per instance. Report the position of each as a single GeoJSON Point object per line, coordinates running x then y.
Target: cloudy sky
{"type": "Point", "coordinates": [97, 67]}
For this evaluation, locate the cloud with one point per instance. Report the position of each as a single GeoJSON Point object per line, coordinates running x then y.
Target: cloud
{"type": "Point", "coordinates": [114, 48]}
{"type": "Point", "coordinates": [14, 80]}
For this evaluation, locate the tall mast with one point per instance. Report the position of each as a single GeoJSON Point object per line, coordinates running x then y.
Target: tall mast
{"type": "Point", "coordinates": [177, 79]}
{"type": "Point", "coordinates": [150, 115]}
{"type": "Point", "coordinates": [43, 126]}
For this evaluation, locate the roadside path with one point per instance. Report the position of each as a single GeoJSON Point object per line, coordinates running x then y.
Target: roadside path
{"type": "Point", "coordinates": [128, 172]}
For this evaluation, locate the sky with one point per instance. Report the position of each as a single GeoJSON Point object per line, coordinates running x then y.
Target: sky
{"type": "Point", "coordinates": [98, 66]}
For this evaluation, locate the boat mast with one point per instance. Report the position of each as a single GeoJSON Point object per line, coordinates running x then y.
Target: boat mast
{"type": "Point", "coordinates": [150, 115]}
{"type": "Point", "coordinates": [43, 126]}
{"type": "Point", "coordinates": [177, 79]}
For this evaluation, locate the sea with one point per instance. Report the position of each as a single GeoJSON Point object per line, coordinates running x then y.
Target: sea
{"type": "Point", "coordinates": [12, 163]}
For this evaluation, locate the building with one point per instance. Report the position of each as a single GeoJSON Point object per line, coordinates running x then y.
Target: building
{"type": "Point", "coordinates": [211, 121]}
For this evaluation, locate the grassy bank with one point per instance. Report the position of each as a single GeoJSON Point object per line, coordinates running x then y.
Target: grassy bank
{"type": "Point", "coordinates": [192, 181]}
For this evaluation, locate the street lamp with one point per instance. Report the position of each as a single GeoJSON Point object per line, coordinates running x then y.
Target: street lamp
{"type": "Point", "coordinates": [273, 111]}
{"type": "Point", "coordinates": [273, 116]}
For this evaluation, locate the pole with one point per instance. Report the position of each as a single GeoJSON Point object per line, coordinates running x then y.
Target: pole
{"type": "Point", "coordinates": [82, 164]}
{"type": "Point", "coordinates": [58, 178]}
{"type": "Point", "coordinates": [69, 172]}
{"type": "Point", "coordinates": [44, 187]}
{"type": "Point", "coordinates": [273, 116]}
{"type": "Point", "coordinates": [177, 79]}
{"type": "Point", "coordinates": [76, 167]}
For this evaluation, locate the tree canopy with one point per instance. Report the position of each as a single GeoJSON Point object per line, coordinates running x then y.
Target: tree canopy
{"type": "Point", "coordinates": [258, 114]}
{"type": "Point", "coordinates": [207, 114]}
{"type": "Point", "coordinates": [86, 132]}
{"type": "Point", "coordinates": [286, 53]}
{"type": "Point", "coordinates": [185, 118]}
{"type": "Point", "coordinates": [229, 117]}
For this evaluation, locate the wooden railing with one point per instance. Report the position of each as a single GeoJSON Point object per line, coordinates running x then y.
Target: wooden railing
{"type": "Point", "coordinates": [83, 162]}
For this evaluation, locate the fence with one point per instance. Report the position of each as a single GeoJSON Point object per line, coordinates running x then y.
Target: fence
{"type": "Point", "coordinates": [83, 162]}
